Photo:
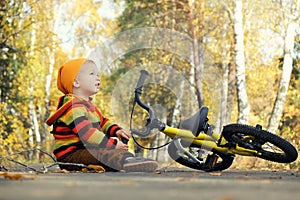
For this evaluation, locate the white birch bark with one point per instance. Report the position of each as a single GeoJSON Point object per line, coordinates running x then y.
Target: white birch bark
{"type": "Point", "coordinates": [243, 104]}
{"type": "Point", "coordinates": [197, 53]}
{"type": "Point", "coordinates": [34, 132]}
{"type": "Point", "coordinates": [51, 52]}
{"type": "Point", "coordinates": [285, 78]}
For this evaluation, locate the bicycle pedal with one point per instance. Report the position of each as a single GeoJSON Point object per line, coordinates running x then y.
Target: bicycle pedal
{"type": "Point", "coordinates": [211, 160]}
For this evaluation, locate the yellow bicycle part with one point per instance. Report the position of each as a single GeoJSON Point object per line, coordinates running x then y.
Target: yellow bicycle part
{"type": "Point", "coordinates": [208, 141]}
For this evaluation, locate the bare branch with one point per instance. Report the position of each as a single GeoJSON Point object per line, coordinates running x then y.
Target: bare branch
{"type": "Point", "coordinates": [44, 168]}
{"type": "Point", "coordinates": [229, 11]}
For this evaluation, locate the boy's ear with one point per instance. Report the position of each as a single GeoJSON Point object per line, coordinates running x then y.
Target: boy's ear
{"type": "Point", "coordinates": [76, 83]}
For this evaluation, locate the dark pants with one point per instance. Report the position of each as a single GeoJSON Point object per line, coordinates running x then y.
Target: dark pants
{"type": "Point", "coordinates": [109, 159]}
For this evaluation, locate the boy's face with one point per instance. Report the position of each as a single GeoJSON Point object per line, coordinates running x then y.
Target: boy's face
{"type": "Point", "coordinates": [87, 82]}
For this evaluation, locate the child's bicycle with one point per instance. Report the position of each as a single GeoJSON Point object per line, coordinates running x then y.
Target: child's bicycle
{"type": "Point", "coordinates": [195, 145]}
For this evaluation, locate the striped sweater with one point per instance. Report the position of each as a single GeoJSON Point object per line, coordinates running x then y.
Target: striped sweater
{"type": "Point", "coordinates": [78, 124]}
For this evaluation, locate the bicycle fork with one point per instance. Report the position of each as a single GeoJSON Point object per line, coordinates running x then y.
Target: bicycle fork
{"type": "Point", "coordinates": [184, 151]}
{"type": "Point", "coordinates": [211, 159]}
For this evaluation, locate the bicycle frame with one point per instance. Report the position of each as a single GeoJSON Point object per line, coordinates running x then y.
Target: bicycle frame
{"type": "Point", "coordinates": [207, 141]}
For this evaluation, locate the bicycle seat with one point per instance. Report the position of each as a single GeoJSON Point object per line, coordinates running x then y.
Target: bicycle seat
{"type": "Point", "coordinates": [197, 122]}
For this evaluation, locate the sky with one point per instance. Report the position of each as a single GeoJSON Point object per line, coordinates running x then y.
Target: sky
{"type": "Point", "coordinates": [64, 30]}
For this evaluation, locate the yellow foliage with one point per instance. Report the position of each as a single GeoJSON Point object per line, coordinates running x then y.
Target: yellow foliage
{"type": "Point", "coordinates": [83, 16]}
{"type": "Point", "coordinates": [13, 133]}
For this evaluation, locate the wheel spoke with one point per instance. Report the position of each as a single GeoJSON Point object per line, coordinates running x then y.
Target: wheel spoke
{"type": "Point", "coordinates": [268, 145]}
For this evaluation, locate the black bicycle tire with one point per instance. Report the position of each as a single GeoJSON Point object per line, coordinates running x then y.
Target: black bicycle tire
{"type": "Point", "coordinates": [288, 155]}
{"type": "Point", "coordinates": [226, 162]}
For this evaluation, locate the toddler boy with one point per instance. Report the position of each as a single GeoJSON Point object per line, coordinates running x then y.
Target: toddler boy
{"type": "Point", "coordinates": [82, 134]}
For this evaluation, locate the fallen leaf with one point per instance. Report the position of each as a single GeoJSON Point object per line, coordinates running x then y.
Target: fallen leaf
{"type": "Point", "coordinates": [95, 168]}
{"type": "Point", "coordinates": [62, 171]}
{"type": "Point", "coordinates": [84, 170]}
{"type": "Point", "coordinates": [17, 176]}
{"type": "Point", "coordinates": [215, 173]}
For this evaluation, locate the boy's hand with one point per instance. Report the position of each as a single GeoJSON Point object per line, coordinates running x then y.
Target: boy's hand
{"type": "Point", "coordinates": [123, 134]}
{"type": "Point", "coordinates": [121, 145]}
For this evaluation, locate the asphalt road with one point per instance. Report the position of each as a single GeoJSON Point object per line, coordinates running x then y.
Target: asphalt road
{"type": "Point", "coordinates": [167, 184]}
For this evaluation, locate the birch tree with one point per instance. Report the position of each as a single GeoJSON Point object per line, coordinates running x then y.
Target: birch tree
{"type": "Point", "coordinates": [33, 132]}
{"type": "Point", "coordinates": [197, 51]}
{"type": "Point", "coordinates": [236, 20]}
{"type": "Point", "coordinates": [51, 51]}
{"type": "Point", "coordinates": [285, 78]}
{"type": "Point", "coordinates": [242, 98]}
{"type": "Point", "coordinates": [291, 14]}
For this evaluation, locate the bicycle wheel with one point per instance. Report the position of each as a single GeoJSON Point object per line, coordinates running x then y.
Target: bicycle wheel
{"type": "Point", "coordinates": [268, 145]}
{"type": "Point", "coordinates": [214, 160]}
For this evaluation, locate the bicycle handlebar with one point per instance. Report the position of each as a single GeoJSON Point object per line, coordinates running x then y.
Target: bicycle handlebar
{"type": "Point", "coordinates": [137, 99]}
{"type": "Point", "coordinates": [142, 79]}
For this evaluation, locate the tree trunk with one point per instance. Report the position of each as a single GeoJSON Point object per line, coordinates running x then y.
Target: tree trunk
{"type": "Point", "coordinates": [159, 154]}
{"type": "Point", "coordinates": [242, 98]}
{"type": "Point", "coordinates": [34, 132]}
{"type": "Point", "coordinates": [51, 53]}
{"type": "Point", "coordinates": [224, 95]}
{"type": "Point", "coordinates": [197, 56]}
{"type": "Point", "coordinates": [230, 69]}
{"type": "Point", "coordinates": [285, 78]}
{"type": "Point", "coordinates": [231, 91]}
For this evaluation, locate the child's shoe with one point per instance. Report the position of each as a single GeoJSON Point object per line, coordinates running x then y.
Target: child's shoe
{"type": "Point", "coordinates": [137, 164]}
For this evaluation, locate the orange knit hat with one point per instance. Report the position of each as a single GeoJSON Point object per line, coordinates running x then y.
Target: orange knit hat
{"type": "Point", "coordinates": [67, 74]}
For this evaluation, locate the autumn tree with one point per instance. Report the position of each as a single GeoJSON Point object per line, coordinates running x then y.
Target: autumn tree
{"type": "Point", "coordinates": [291, 21]}
{"type": "Point", "coordinates": [14, 25]}
{"type": "Point", "coordinates": [236, 17]}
